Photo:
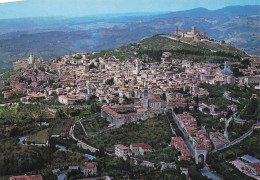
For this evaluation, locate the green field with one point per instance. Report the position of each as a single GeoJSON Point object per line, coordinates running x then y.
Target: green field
{"type": "Point", "coordinates": [8, 74]}
{"type": "Point", "coordinates": [95, 125]}
{"type": "Point", "coordinates": [154, 131]}
{"type": "Point", "coordinates": [40, 137]}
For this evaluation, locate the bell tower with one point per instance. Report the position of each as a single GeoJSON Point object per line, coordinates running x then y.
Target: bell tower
{"type": "Point", "coordinates": [137, 66]}
{"type": "Point", "coordinates": [31, 58]}
{"type": "Point", "coordinates": [145, 100]}
{"type": "Point", "coordinates": [176, 30]}
{"type": "Point", "coordinates": [194, 30]}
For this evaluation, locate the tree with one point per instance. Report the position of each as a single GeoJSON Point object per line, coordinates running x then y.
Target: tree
{"type": "Point", "coordinates": [176, 110]}
{"type": "Point", "coordinates": [206, 110]}
{"type": "Point", "coordinates": [245, 63]}
{"type": "Point", "coordinates": [187, 108]}
{"type": "Point", "coordinates": [110, 81]}
{"type": "Point", "coordinates": [196, 99]}
{"type": "Point", "coordinates": [92, 66]}
{"type": "Point", "coordinates": [60, 114]}
{"type": "Point", "coordinates": [104, 163]}
{"type": "Point", "coordinates": [94, 107]}
{"type": "Point", "coordinates": [183, 176]}
{"type": "Point", "coordinates": [14, 132]}
{"type": "Point", "coordinates": [164, 96]}
{"type": "Point", "coordinates": [78, 56]}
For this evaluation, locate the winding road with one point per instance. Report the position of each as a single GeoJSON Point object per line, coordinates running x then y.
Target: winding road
{"type": "Point", "coordinates": [81, 143]}
{"type": "Point", "coordinates": [227, 124]}
{"type": "Point", "coordinates": [249, 132]}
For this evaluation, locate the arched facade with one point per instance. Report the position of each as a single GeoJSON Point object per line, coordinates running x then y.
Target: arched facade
{"type": "Point", "coordinates": [200, 156]}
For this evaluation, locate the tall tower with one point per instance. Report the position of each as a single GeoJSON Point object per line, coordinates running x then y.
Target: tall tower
{"type": "Point", "coordinates": [31, 58]}
{"type": "Point", "coordinates": [89, 90]}
{"type": "Point", "coordinates": [194, 30]}
{"type": "Point", "coordinates": [204, 34]}
{"type": "Point", "coordinates": [137, 66]}
{"type": "Point", "coordinates": [176, 30]}
{"type": "Point", "coordinates": [145, 100]}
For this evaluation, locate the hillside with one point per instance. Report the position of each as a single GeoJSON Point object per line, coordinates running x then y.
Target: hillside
{"type": "Point", "coordinates": [150, 50]}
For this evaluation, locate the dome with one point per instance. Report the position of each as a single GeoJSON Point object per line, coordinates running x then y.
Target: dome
{"type": "Point", "coordinates": [226, 71]}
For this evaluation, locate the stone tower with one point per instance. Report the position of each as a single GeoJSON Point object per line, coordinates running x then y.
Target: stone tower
{"type": "Point", "coordinates": [204, 34]}
{"type": "Point", "coordinates": [89, 90]}
{"type": "Point", "coordinates": [194, 30]}
{"type": "Point", "coordinates": [145, 100]}
{"type": "Point", "coordinates": [137, 66]}
{"type": "Point", "coordinates": [176, 31]}
{"type": "Point", "coordinates": [31, 58]}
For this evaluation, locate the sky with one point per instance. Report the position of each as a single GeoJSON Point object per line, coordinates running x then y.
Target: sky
{"type": "Point", "coordinates": [76, 8]}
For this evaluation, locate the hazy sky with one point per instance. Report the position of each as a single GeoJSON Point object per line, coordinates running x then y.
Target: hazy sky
{"type": "Point", "coordinates": [38, 8]}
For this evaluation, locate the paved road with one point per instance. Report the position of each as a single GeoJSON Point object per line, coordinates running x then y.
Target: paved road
{"type": "Point", "coordinates": [81, 143]}
{"type": "Point", "coordinates": [227, 124]}
{"type": "Point", "coordinates": [95, 133]}
{"type": "Point", "coordinates": [97, 178]}
{"type": "Point", "coordinates": [69, 106]}
{"type": "Point", "coordinates": [238, 139]}
{"type": "Point", "coordinates": [10, 103]}
{"type": "Point", "coordinates": [83, 127]}
{"type": "Point", "coordinates": [230, 98]}
{"type": "Point", "coordinates": [101, 131]}
{"type": "Point", "coordinates": [210, 174]}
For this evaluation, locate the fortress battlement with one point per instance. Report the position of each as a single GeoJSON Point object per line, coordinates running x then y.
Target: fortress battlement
{"type": "Point", "coordinates": [194, 34]}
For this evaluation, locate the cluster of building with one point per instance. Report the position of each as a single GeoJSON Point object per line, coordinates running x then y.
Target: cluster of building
{"type": "Point", "coordinates": [152, 88]}
{"type": "Point", "coordinates": [134, 150]}
{"type": "Point", "coordinates": [251, 164]}
{"type": "Point", "coordinates": [75, 78]}
{"type": "Point", "coordinates": [26, 177]}
{"type": "Point", "coordinates": [181, 146]}
{"type": "Point", "coordinates": [198, 138]}
{"type": "Point", "coordinates": [89, 168]}
{"type": "Point", "coordinates": [217, 139]}
{"type": "Point", "coordinates": [25, 63]}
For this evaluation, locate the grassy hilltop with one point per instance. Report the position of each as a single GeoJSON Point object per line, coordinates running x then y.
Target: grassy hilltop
{"type": "Point", "coordinates": [150, 50]}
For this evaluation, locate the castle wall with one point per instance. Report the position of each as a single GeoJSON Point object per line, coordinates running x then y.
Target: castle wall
{"type": "Point", "coordinates": [190, 34]}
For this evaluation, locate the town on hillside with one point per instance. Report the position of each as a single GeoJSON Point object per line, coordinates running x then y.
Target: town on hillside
{"type": "Point", "coordinates": [208, 108]}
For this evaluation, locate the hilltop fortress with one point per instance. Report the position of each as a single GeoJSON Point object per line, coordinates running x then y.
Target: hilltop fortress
{"type": "Point", "coordinates": [196, 35]}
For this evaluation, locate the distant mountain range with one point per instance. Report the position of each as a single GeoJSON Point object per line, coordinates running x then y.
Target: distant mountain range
{"type": "Point", "coordinates": [55, 36]}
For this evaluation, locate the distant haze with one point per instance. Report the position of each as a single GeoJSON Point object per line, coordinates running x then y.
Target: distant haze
{"type": "Point", "coordinates": [77, 8]}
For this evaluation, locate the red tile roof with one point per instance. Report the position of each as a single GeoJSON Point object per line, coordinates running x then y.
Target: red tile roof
{"type": "Point", "coordinates": [256, 166]}
{"type": "Point", "coordinates": [142, 145]}
{"type": "Point", "coordinates": [25, 177]}
{"type": "Point", "coordinates": [90, 164]}
{"type": "Point", "coordinates": [120, 146]}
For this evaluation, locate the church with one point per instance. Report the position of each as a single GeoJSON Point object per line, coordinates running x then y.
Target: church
{"type": "Point", "coordinates": [120, 114]}
{"type": "Point", "coordinates": [24, 63]}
